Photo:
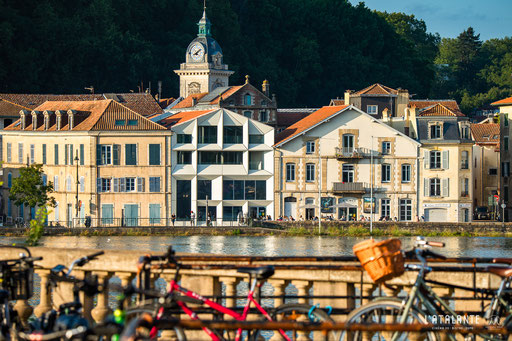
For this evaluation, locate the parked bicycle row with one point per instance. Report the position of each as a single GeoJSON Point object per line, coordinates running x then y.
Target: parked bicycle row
{"type": "Point", "coordinates": [142, 312]}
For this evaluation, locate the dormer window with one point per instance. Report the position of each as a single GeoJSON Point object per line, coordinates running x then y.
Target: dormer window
{"type": "Point", "coordinates": [464, 131]}
{"type": "Point", "coordinates": [247, 99]}
{"type": "Point", "coordinates": [436, 131]}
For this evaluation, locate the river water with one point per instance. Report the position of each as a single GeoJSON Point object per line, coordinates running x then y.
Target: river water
{"type": "Point", "coordinates": [270, 245]}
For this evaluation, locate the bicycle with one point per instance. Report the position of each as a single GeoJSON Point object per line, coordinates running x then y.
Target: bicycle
{"type": "Point", "coordinates": [16, 282]}
{"type": "Point", "coordinates": [177, 297]}
{"type": "Point", "coordinates": [422, 303]}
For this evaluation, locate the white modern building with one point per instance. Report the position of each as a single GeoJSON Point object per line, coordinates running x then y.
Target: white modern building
{"type": "Point", "coordinates": [222, 165]}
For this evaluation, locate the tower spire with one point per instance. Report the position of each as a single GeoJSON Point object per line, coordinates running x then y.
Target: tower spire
{"type": "Point", "coordinates": [204, 24]}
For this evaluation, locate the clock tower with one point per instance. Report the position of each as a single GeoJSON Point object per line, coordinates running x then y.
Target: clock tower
{"type": "Point", "coordinates": [203, 70]}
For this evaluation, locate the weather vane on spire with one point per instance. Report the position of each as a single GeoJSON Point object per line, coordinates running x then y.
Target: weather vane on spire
{"type": "Point", "coordinates": [204, 5]}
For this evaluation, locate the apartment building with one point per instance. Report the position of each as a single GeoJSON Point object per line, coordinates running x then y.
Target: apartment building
{"type": "Point", "coordinates": [105, 161]}
{"type": "Point", "coordinates": [342, 162]}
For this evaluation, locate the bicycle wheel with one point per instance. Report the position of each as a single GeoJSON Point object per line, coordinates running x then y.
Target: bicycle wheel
{"type": "Point", "coordinates": [137, 311]}
{"type": "Point", "coordinates": [385, 311]}
{"type": "Point", "coordinates": [301, 313]}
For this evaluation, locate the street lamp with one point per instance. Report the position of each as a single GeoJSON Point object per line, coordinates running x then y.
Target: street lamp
{"type": "Point", "coordinates": [77, 183]}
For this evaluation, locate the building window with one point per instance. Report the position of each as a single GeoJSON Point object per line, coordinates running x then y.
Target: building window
{"type": "Point", "coordinates": [107, 214]}
{"type": "Point", "coordinates": [348, 143]}
{"type": "Point", "coordinates": [505, 120]}
{"type": "Point", "coordinates": [154, 155]}
{"type": "Point", "coordinates": [465, 188]}
{"type": "Point", "coordinates": [372, 109]}
{"type": "Point", "coordinates": [105, 154]}
{"type": "Point", "coordinates": [68, 183]}
{"type": "Point", "coordinates": [310, 172]}
{"type": "Point", "coordinates": [207, 134]}
{"type": "Point", "coordinates": [263, 116]}
{"type": "Point", "coordinates": [154, 214]}
{"type": "Point", "coordinates": [133, 122]}
{"type": "Point", "coordinates": [204, 189]}
{"type": "Point", "coordinates": [129, 184]}
{"type": "Point", "coordinates": [405, 209]}
{"type": "Point", "coordinates": [104, 184]}
{"type": "Point", "coordinates": [493, 171]}
{"type": "Point", "coordinates": [290, 172]}
{"type": "Point", "coordinates": [248, 114]}
{"type": "Point", "coordinates": [184, 158]}
{"type": "Point", "coordinates": [9, 180]}
{"type": "Point", "coordinates": [505, 169]}
{"type": "Point", "coordinates": [435, 187]}
{"type": "Point", "coordinates": [184, 138]}
{"type": "Point", "coordinates": [120, 122]}
{"type": "Point", "coordinates": [464, 159]}
{"type": "Point", "coordinates": [385, 207]}
{"type": "Point", "coordinates": [465, 132]}
{"type": "Point", "coordinates": [231, 213]}
{"type": "Point", "coordinates": [505, 142]}
{"type": "Point", "coordinates": [56, 154]}
{"type": "Point", "coordinates": [20, 152]}
{"type": "Point", "coordinates": [406, 172]}
{"type": "Point", "coordinates": [233, 134]}
{"type": "Point", "coordinates": [247, 99]}
{"type": "Point", "coordinates": [82, 184]}
{"type": "Point", "coordinates": [219, 158]}
{"type": "Point", "coordinates": [386, 172]}
{"type": "Point", "coordinates": [386, 147]}
{"type": "Point", "coordinates": [154, 184]}
{"type": "Point", "coordinates": [44, 154]}
{"type": "Point", "coordinates": [310, 147]}
{"type": "Point", "coordinates": [56, 183]}
{"type": "Point", "coordinates": [347, 173]}
{"type": "Point", "coordinates": [505, 191]}
{"type": "Point", "coordinates": [9, 152]}
{"type": "Point", "coordinates": [256, 139]}
{"type": "Point", "coordinates": [435, 131]}
{"type": "Point", "coordinates": [130, 154]}
{"type": "Point", "coordinates": [435, 159]}
{"type": "Point", "coordinates": [68, 154]}
{"type": "Point", "coordinates": [244, 190]}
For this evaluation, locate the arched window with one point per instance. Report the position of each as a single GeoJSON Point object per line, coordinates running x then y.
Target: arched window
{"type": "Point", "coordinates": [247, 99]}
{"type": "Point", "coordinates": [82, 184]}
{"type": "Point", "coordinates": [9, 180]}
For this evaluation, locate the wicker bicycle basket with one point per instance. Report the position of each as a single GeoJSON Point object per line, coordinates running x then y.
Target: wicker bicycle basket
{"type": "Point", "coordinates": [382, 260]}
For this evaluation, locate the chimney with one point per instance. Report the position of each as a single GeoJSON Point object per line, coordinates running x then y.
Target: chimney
{"type": "Point", "coordinates": [265, 88]}
{"type": "Point", "coordinates": [347, 96]}
{"type": "Point", "coordinates": [274, 100]}
{"type": "Point", "coordinates": [71, 118]}
{"type": "Point", "coordinates": [407, 122]}
{"type": "Point", "coordinates": [385, 116]}
{"type": "Point", "coordinates": [23, 116]}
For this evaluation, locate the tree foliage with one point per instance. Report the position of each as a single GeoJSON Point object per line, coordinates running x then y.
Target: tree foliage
{"type": "Point", "coordinates": [29, 188]}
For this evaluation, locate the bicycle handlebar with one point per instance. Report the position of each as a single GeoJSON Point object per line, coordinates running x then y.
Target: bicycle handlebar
{"type": "Point", "coordinates": [83, 260]}
{"type": "Point", "coordinates": [169, 257]}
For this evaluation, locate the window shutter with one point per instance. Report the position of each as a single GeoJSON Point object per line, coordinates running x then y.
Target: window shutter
{"type": "Point", "coordinates": [426, 188]}
{"type": "Point", "coordinates": [426, 159]}
{"type": "Point", "coordinates": [140, 184]}
{"type": "Point", "coordinates": [122, 184]}
{"type": "Point", "coordinates": [445, 163]}
{"type": "Point", "coordinates": [116, 185]}
{"type": "Point", "coordinates": [56, 152]}
{"type": "Point", "coordinates": [446, 187]}
{"type": "Point", "coordinates": [71, 162]}
{"type": "Point", "coordinates": [98, 154]}
{"type": "Point", "coordinates": [98, 185]}
{"type": "Point", "coordinates": [82, 154]}
{"type": "Point", "coordinates": [66, 147]}
{"type": "Point", "coordinates": [116, 149]}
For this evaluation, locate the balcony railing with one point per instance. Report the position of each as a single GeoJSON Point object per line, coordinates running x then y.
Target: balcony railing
{"type": "Point", "coordinates": [348, 187]}
{"type": "Point", "coordinates": [355, 153]}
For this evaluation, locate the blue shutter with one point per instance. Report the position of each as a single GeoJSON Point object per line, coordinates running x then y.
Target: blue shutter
{"type": "Point", "coordinates": [66, 147]}
{"type": "Point", "coordinates": [44, 154]}
{"type": "Point", "coordinates": [98, 154]}
{"type": "Point", "coordinates": [82, 154]}
{"type": "Point", "coordinates": [56, 154]}
{"type": "Point", "coordinates": [116, 148]}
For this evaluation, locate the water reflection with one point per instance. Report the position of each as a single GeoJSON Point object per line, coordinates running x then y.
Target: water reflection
{"type": "Point", "coordinates": [270, 245]}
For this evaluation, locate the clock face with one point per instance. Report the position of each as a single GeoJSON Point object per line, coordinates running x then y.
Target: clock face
{"type": "Point", "coordinates": [197, 52]}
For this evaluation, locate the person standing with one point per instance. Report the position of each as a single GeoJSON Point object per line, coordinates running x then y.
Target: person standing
{"type": "Point", "coordinates": [173, 218]}
{"type": "Point", "coordinates": [192, 218]}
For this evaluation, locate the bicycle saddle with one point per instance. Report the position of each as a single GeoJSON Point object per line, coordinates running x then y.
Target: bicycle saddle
{"type": "Point", "coordinates": [500, 271]}
{"type": "Point", "coordinates": [261, 272]}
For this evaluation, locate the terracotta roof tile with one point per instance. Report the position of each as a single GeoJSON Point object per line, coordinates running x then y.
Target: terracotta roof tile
{"type": "Point", "coordinates": [141, 103]}
{"type": "Point", "coordinates": [487, 133]}
{"type": "Point", "coordinates": [286, 119]}
{"type": "Point", "coordinates": [423, 103]}
{"type": "Point", "coordinates": [439, 109]}
{"type": "Point", "coordinates": [182, 117]}
{"type": "Point", "coordinates": [505, 101]}
{"type": "Point", "coordinates": [165, 102]}
{"type": "Point", "coordinates": [308, 122]}
{"type": "Point", "coordinates": [232, 90]}
{"type": "Point", "coordinates": [92, 115]}
{"type": "Point", "coordinates": [335, 102]}
{"type": "Point", "coordinates": [377, 89]}
{"type": "Point", "coordinates": [9, 109]}
{"type": "Point", "coordinates": [188, 102]}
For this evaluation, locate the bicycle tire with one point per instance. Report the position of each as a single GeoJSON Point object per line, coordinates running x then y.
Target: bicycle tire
{"type": "Point", "coordinates": [134, 312]}
{"type": "Point", "coordinates": [298, 312]}
{"type": "Point", "coordinates": [390, 311]}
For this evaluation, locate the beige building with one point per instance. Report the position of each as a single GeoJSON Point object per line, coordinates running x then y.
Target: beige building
{"type": "Point", "coordinates": [119, 158]}
{"type": "Point", "coordinates": [446, 171]}
{"type": "Point", "coordinates": [325, 160]}
{"type": "Point", "coordinates": [486, 165]}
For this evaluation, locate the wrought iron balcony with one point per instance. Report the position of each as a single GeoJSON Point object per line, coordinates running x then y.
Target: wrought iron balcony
{"type": "Point", "coordinates": [354, 153]}
{"type": "Point", "coordinates": [348, 187]}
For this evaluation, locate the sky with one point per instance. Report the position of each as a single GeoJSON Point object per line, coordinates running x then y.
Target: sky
{"type": "Point", "coordinates": [489, 18]}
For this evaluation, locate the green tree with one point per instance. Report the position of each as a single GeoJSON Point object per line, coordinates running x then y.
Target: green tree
{"type": "Point", "coordinates": [29, 189]}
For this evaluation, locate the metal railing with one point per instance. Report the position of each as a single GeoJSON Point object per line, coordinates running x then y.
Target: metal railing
{"type": "Point", "coordinates": [355, 153]}
{"type": "Point", "coordinates": [348, 187]}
